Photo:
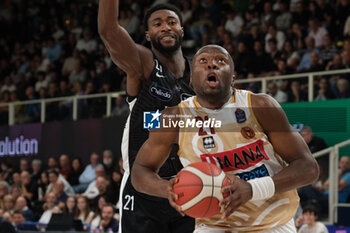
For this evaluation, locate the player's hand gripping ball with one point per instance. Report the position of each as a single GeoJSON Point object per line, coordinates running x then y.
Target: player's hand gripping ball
{"type": "Point", "coordinates": [199, 189]}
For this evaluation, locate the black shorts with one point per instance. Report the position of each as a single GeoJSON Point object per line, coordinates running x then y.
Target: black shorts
{"type": "Point", "coordinates": [142, 213]}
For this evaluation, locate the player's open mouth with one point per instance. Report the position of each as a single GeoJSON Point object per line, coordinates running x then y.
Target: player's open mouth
{"type": "Point", "coordinates": [212, 80]}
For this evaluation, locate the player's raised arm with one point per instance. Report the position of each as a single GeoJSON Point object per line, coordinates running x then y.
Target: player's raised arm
{"type": "Point", "coordinates": [302, 168]}
{"type": "Point", "coordinates": [150, 158]}
{"type": "Point", "coordinates": [132, 58]}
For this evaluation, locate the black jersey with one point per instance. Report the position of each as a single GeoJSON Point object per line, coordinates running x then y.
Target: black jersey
{"type": "Point", "coordinates": [162, 90]}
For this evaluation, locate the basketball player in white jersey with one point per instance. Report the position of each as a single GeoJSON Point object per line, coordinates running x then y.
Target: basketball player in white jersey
{"type": "Point", "coordinates": [264, 158]}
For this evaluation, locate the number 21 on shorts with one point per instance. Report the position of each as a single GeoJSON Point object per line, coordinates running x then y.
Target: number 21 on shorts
{"type": "Point", "coordinates": [129, 203]}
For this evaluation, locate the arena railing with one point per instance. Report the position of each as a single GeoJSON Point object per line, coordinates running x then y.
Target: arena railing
{"type": "Point", "coordinates": [333, 202]}
{"type": "Point", "coordinates": [311, 76]}
{"type": "Point", "coordinates": [74, 100]}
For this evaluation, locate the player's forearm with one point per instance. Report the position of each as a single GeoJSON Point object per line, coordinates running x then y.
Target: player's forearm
{"type": "Point", "coordinates": [147, 181]}
{"type": "Point", "coordinates": [299, 173]}
{"type": "Point", "coordinates": [107, 17]}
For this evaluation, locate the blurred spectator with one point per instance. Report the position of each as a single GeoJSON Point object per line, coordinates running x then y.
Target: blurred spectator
{"type": "Point", "coordinates": [41, 81]}
{"type": "Point", "coordinates": [327, 50]}
{"type": "Point", "coordinates": [43, 183]}
{"type": "Point", "coordinates": [274, 33]}
{"type": "Point", "coordinates": [284, 17]}
{"type": "Point", "coordinates": [323, 91]}
{"type": "Point", "coordinates": [79, 73]}
{"type": "Point", "coordinates": [88, 174]}
{"type": "Point", "coordinates": [6, 226]}
{"type": "Point", "coordinates": [263, 62]}
{"type": "Point", "coordinates": [58, 189]}
{"type": "Point", "coordinates": [53, 51]}
{"type": "Point", "coordinates": [296, 94]}
{"type": "Point", "coordinates": [343, 89]}
{"type": "Point", "coordinates": [21, 205]}
{"type": "Point", "coordinates": [305, 62]}
{"type": "Point", "coordinates": [308, 221]}
{"type": "Point", "coordinates": [290, 55]}
{"type": "Point", "coordinates": [315, 63]}
{"type": "Point", "coordinates": [335, 63]}
{"type": "Point", "coordinates": [87, 43]}
{"type": "Point", "coordinates": [50, 208]}
{"type": "Point", "coordinates": [277, 94]}
{"type": "Point", "coordinates": [16, 178]}
{"type": "Point", "coordinates": [108, 162]}
{"type": "Point", "coordinates": [83, 210]}
{"type": "Point", "coordinates": [314, 143]}
{"type": "Point", "coordinates": [92, 191]}
{"type": "Point", "coordinates": [121, 107]}
{"type": "Point", "coordinates": [24, 165]}
{"type": "Point", "coordinates": [347, 27]}
{"type": "Point", "coordinates": [243, 59]}
{"type": "Point", "coordinates": [17, 219]}
{"type": "Point", "coordinates": [274, 53]}
{"type": "Point", "coordinates": [52, 163]}
{"type": "Point", "coordinates": [15, 191]}
{"type": "Point", "coordinates": [37, 169]}
{"type": "Point", "coordinates": [31, 111]}
{"type": "Point", "coordinates": [53, 176]}
{"type": "Point", "coordinates": [233, 23]}
{"type": "Point", "coordinates": [77, 169]}
{"type": "Point", "coordinates": [346, 58]}
{"type": "Point", "coordinates": [65, 166]}
{"type": "Point", "coordinates": [29, 187]}
{"type": "Point", "coordinates": [70, 206]}
{"type": "Point", "coordinates": [69, 63]}
{"type": "Point", "coordinates": [6, 171]}
{"type": "Point", "coordinates": [8, 85]}
{"type": "Point", "coordinates": [316, 32]}
{"type": "Point", "coordinates": [101, 202]}
{"type": "Point", "coordinates": [300, 15]}
{"type": "Point", "coordinates": [108, 221]}
{"type": "Point", "coordinates": [9, 204]}
{"type": "Point", "coordinates": [268, 15]}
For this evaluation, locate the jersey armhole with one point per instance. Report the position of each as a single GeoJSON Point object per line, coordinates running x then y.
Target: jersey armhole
{"type": "Point", "coordinates": [252, 112]}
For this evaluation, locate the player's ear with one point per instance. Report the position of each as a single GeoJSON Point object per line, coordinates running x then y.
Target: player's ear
{"type": "Point", "coordinates": [233, 81]}
{"type": "Point", "coordinates": [191, 79]}
{"type": "Point", "coordinates": [182, 31]}
{"type": "Point", "coordinates": [148, 38]}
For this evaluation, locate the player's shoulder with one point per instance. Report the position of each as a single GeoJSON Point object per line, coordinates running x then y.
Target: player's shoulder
{"type": "Point", "coordinates": [262, 100]}
{"type": "Point", "coordinates": [174, 110]}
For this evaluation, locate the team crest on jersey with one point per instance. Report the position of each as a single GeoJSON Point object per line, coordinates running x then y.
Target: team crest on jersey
{"type": "Point", "coordinates": [159, 92]}
{"type": "Point", "coordinates": [247, 132]}
{"type": "Point", "coordinates": [240, 115]}
{"type": "Point", "coordinates": [208, 142]}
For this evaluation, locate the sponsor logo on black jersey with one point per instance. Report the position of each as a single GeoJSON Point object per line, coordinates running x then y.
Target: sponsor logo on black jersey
{"type": "Point", "coordinates": [208, 142]}
{"type": "Point", "coordinates": [255, 173]}
{"type": "Point", "coordinates": [161, 93]}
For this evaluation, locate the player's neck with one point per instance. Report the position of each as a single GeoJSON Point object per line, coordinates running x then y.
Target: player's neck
{"type": "Point", "coordinates": [174, 62]}
{"type": "Point", "coordinates": [211, 103]}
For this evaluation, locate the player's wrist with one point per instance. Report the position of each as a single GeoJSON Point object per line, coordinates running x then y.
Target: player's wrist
{"type": "Point", "coordinates": [262, 188]}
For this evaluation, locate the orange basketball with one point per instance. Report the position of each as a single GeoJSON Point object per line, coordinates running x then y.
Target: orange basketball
{"type": "Point", "coordinates": [199, 189]}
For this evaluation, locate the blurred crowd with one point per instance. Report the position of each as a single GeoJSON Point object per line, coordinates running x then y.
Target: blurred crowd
{"type": "Point", "coordinates": [32, 191]}
{"type": "Point", "coordinates": [52, 48]}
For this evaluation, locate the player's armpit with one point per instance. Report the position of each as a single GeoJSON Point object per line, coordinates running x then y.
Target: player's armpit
{"type": "Point", "coordinates": [302, 168]}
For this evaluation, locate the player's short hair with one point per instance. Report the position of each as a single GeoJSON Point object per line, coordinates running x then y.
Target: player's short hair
{"type": "Point", "coordinates": [161, 7]}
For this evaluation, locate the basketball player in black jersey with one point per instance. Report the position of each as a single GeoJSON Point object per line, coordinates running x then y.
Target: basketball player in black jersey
{"type": "Point", "coordinates": [156, 78]}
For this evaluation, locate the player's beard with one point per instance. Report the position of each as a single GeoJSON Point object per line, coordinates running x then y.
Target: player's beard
{"type": "Point", "coordinates": [166, 49]}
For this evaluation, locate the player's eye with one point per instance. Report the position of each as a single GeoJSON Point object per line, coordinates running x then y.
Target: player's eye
{"type": "Point", "coordinates": [202, 60]}
{"type": "Point", "coordinates": [172, 22]}
{"type": "Point", "coordinates": [157, 24]}
{"type": "Point", "coordinates": [221, 60]}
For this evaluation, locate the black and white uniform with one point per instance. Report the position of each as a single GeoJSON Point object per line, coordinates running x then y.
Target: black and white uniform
{"type": "Point", "coordinates": [141, 213]}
